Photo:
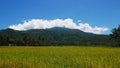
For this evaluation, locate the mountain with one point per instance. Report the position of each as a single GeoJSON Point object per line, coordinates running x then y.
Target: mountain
{"type": "Point", "coordinates": [52, 36]}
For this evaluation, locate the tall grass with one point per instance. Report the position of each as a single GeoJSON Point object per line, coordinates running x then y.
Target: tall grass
{"type": "Point", "coordinates": [59, 57]}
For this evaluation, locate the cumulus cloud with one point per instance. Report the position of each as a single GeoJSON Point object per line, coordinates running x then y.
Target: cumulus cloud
{"type": "Point", "coordinates": [67, 23]}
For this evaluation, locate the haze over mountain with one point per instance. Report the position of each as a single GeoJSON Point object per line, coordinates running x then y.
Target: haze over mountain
{"type": "Point", "coordinates": [67, 23]}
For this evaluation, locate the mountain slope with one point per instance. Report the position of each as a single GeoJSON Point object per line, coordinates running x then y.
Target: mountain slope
{"type": "Point", "coordinates": [53, 36]}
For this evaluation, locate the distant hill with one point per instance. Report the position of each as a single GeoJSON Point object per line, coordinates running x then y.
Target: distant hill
{"type": "Point", "coordinates": [52, 36]}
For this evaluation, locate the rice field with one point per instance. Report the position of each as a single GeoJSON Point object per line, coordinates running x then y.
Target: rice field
{"type": "Point", "coordinates": [59, 57]}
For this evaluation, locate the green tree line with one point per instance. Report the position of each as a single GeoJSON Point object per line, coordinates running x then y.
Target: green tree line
{"type": "Point", "coordinates": [53, 36]}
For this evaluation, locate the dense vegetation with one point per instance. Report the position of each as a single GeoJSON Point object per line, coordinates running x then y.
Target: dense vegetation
{"type": "Point", "coordinates": [53, 36]}
{"type": "Point", "coordinates": [59, 57]}
{"type": "Point", "coordinates": [115, 36]}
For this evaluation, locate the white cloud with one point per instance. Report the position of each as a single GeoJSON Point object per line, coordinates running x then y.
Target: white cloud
{"type": "Point", "coordinates": [67, 23]}
{"type": "Point", "coordinates": [79, 20]}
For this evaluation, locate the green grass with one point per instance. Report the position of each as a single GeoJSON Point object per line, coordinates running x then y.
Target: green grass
{"type": "Point", "coordinates": [59, 57]}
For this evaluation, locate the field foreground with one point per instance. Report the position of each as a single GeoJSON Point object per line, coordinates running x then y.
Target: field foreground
{"type": "Point", "coordinates": [59, 57]}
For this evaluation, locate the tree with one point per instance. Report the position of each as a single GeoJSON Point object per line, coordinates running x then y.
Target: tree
{"type": "Point", "coordinates": [115, 36]}
{"type": "Point", "coordinates": [26, 40]}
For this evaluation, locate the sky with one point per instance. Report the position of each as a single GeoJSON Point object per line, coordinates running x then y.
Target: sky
{"type": "Point", "coordinates": [95, 16]}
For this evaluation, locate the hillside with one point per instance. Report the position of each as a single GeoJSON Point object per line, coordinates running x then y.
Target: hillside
{"type": "Point", "coordinates": [53, 36]}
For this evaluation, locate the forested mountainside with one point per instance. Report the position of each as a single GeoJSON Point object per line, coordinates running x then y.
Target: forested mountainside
{"type": "Point", "coordinates": [52, 36]}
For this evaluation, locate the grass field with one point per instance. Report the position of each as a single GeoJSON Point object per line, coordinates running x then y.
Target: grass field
{"type": "Point", "coordinates": [59, 57]}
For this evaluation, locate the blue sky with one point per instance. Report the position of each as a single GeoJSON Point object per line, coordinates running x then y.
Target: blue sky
{"type": "Point", "coordinates": [103, 13]}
